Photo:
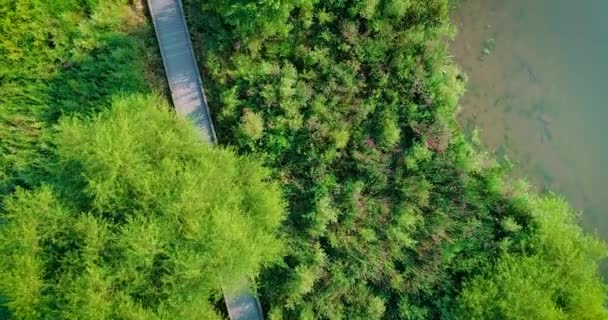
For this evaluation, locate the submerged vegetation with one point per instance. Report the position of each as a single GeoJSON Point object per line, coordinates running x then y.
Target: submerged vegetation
{"type": "Point", "coordinates": [112, 209]}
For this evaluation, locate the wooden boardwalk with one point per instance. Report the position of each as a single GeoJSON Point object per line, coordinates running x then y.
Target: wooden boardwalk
{"type": "Point", "coordinates": [189, 100]}
{"type": "Point", "coordinates": [180, 64]}
{"type": "Point", "coordinates": [242, 302]}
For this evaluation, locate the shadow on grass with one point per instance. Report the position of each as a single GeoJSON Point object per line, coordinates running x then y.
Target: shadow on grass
{"type": "Point", "coordinates": [80, 88]}
{"type": "Point", "coordinates": [120, 64]}
{"type": "Point", "coordinates": [86, 87]}
{"type": "Point", "coordinates": [3, 310]}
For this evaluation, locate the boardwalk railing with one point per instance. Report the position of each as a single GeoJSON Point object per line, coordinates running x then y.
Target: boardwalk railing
{"type": "Point", "coordinates": [189, 100]}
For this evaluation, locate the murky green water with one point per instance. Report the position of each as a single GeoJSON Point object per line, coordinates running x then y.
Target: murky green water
{"type": "Point", "coordinates": [538, 92]}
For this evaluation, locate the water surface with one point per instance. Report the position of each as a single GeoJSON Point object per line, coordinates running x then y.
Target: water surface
{"type": "Point", "coordinates": [538, 93]}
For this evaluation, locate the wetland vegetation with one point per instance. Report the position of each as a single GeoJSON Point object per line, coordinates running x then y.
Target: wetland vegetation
{"type": "Point", "coordinates": [364, 201]}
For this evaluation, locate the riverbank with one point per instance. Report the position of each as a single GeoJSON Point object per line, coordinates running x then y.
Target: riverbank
{"type": "Point", "coordinates": [536, 97]}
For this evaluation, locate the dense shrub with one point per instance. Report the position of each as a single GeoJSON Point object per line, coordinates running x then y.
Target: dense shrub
{"type": "Point", "coordinates": [558, 280]}
{"type": "Point", "coordinates": [252, 18]}
{"type": "Point", "coordinates": [391, 213]}
{"type": "Point", "coordinates": [63, 57]}
{"type": "Point", "coordinates": [118, 221]}
{"type": "Point", "coordinates": [390, 210]}
{"type": "Point", "coordinates": [140, 220]}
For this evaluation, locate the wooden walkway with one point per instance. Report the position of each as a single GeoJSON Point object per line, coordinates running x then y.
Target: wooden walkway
{"type": "Point", "coordinates": [180, 64]}
{"type": "Point", "coordinates": [189, 100]}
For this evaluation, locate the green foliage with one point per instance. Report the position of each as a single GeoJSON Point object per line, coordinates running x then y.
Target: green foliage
{"type": "Point", "coordinates": [390, 133]}
{"type": "Point", "coordinates": [351, 103]}
{"type": "Point", "coordinates": [249, 17]}
{"type": "Point", "coordinates": [106, 219]}
{"type": "Point", "coordinates": [252, 125]}
{"type": "Point", "coordinates": [391, 211]}
{"type": "Point", "coordinates": [140, 219]}
{"type": "Point", "coordinates": [63, 57]}
{"type": "Point", "coordinates": [559, 280]}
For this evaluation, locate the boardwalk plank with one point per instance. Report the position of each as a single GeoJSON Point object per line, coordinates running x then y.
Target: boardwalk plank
{"type": "Point", "coordinates": [180, 65]}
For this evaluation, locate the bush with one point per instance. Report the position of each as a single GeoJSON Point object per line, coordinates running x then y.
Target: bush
{"type": "Point", "coordinates": [263, 17]}
{"type": "Point", "coordinates": [141, 220]}
{"type": "Point", "coordinates": [559, 280]}
{"type": "Point", "coordinates": [64, 57]}
{"type": "Point", "coordinates": [391, 211]}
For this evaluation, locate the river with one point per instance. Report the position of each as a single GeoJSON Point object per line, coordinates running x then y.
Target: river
{"type": "Point", "coordinates": [537, 93]}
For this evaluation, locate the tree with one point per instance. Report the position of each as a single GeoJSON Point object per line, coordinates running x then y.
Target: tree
{"type": "Point", "coordinates": [142, 220]}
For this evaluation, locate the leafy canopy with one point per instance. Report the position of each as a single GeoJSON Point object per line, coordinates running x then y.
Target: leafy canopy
{"type": "Point", "coordinates": [391, 211]}
{"type": "Point", "coordinates": [558, 281]}
{"type": "Point", "coordinates": [141, 220]}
